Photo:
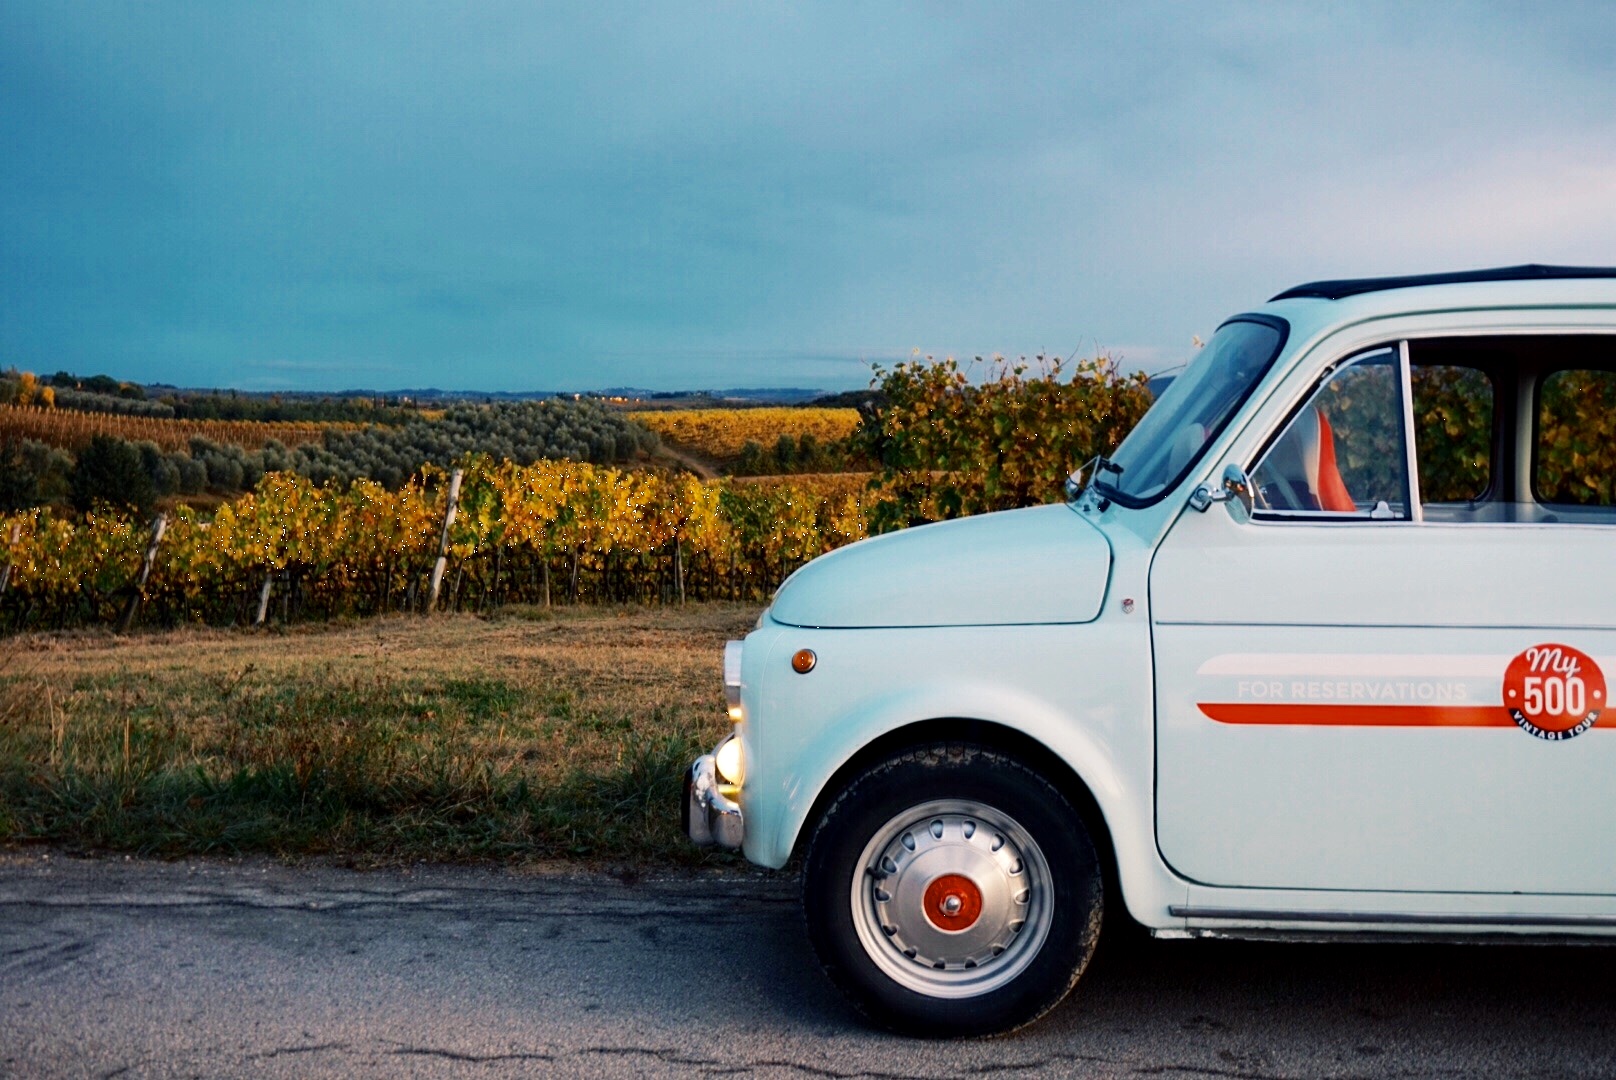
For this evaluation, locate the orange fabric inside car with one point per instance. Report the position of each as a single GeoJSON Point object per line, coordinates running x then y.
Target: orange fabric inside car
{"type": "Point", "coordinates": [1329, 488]}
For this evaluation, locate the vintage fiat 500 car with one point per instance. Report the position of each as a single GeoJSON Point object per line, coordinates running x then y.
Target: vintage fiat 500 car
{"type": "Point", "coordinates": [1321, 650]}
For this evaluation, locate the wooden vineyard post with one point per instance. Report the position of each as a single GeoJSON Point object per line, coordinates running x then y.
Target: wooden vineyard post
{"type": "Point", "coordinates": [679, 569]}
{"type": "Point", "coordinates": [158, 527]}
{"type": "Point", "coordinates": [263, 599]}
{"type": "Point", "coordinates": [443, 541]}
{"type": "Point", "coordinates": [5, 571]}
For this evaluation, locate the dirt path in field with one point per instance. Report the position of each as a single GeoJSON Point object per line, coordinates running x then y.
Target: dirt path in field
{"type": "Point", "coordinates": [684, 460]}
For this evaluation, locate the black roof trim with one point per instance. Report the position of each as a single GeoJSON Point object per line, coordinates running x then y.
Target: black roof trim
{"type": "Point", "coordinates": [1335, 290]}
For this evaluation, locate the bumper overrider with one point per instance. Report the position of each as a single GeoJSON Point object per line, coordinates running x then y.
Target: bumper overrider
{"type": "Point", "coordinates": [711, 815]}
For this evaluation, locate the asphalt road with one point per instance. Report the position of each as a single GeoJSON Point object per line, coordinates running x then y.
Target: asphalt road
{"type": "Point", "coordinates": [142, 969]}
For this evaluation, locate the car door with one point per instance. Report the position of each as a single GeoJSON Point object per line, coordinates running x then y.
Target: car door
{"type": "Point", "coordinates": [1356, 691]}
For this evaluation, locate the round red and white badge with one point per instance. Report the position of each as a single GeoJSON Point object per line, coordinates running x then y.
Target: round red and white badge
{"type": "Point", "coordinates": [1554, 691]}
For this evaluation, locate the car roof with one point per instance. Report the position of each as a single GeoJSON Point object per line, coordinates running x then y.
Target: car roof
{"type": "Point", "coordinates": [1343, 287]}
{"type": "Point", "coordinates": [1324, 306]}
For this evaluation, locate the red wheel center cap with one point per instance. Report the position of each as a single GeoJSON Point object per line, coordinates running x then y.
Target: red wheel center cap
{"type": "Point", "coordinates": [953, 902]}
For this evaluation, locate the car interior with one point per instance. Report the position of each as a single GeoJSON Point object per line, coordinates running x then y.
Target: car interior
{"type": "Point", "coordinates": [1517, 429]}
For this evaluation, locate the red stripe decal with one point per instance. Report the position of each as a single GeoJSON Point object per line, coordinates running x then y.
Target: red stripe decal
{"type": "Point", "coordinates": [1359, 715]}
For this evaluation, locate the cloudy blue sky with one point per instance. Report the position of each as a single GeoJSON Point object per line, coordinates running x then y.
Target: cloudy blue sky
{"type": "Point", "coordinates": [536, 196]}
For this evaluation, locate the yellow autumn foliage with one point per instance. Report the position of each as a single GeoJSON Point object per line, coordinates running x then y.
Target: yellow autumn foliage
{"type": "Point", "coordinates": [534, 533]}
{"type": "Point", "coordinates": [719, 434]}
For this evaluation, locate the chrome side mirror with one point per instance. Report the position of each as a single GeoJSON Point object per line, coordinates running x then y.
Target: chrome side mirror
{"type": "Point", "coordinates": [1236, 487]}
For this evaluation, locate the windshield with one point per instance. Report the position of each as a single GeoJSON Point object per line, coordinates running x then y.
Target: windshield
{"type": "Point", "coordinates": [1193, 411]}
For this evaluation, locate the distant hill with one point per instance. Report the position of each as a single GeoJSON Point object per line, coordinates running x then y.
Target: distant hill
{"type": "Point", "coordinates": [850, 399]}
{"type": "Point", "coordinates": [790, 395]}
{"type": "Point", "coordinates": [787, 395]}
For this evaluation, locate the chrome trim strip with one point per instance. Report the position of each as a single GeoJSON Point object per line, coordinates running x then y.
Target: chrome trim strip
{"type": "Point", "coordinates": [732, 673]}
{"type": "Point", "coordinates": [1383, 918]}
{"type": "Point", "coordinates": [1405, 376]}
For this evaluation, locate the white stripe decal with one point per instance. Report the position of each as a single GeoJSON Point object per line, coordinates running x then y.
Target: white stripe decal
{"type": "Point", "coordinates": [1365, 665]}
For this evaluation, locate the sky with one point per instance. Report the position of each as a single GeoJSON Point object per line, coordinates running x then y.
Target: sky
{"type": "Point", "coordinates": [532, 196]}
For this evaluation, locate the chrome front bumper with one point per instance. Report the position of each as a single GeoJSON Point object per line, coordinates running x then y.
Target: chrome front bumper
{"type": "Point", "coordinates": [710, 815]}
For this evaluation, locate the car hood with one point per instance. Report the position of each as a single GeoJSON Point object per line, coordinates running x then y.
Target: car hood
{"type": "Point", "coordinates": [1044, 564]}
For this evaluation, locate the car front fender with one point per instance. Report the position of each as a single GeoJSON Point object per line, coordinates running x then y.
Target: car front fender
{"type": "Point", "coordinates": [1083, 692]}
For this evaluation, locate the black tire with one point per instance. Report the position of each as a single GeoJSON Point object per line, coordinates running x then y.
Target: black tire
{"type": "Point", "coordinates": [957, 800]}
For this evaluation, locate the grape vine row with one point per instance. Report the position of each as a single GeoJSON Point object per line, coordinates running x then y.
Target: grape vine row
{"type": "Point", "coordinates": [551, 532]}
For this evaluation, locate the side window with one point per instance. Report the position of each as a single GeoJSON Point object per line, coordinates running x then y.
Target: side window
{"type": "Point", "coordinates": [1575, 459]}
{"type": "Point", "coordinates": [1343, 452]}
{"type": "Point", "coordinates": [1453, 432]}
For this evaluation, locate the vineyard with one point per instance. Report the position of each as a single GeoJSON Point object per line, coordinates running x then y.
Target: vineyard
{"type": "Point", "coordinates": [955, 441]}
{"type": "Point", "coordinates": [721, 434]}
{"type": "Point", "coordinates": [55, 456]}
{"type": "Point", "coordinates": [348, 527]}
{"type": "Point", "coordinates": [74, 430]}
{"type": "Point", "coordinates": [553, 532]}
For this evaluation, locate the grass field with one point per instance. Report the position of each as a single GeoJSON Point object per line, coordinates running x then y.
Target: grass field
{"type": "Point", "coordinates": [536, 735]}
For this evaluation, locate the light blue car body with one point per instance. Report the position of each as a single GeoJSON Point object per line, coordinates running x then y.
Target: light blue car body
{"type": "Point", "coordinates": [1276, 724]}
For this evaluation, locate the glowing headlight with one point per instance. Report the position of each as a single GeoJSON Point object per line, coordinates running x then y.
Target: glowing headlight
{"type": "Point", "coordinates": [730, 761]}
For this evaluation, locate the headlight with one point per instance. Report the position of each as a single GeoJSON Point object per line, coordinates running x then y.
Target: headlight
{"type": "Point", "coordinates": [730, 761]}
{"type": "Point", "coordinates": [732, 678]}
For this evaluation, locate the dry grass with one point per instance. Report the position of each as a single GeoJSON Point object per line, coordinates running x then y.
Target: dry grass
{"type": "Point", "coordinates": [540, 733]}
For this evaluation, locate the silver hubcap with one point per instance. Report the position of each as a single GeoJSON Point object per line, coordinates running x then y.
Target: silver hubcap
{"type": "Point", "coordinates": [951, 899]}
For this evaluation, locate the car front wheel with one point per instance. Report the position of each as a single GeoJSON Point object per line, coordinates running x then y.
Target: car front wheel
{"type": "Point", "coordinates": [950, 890]}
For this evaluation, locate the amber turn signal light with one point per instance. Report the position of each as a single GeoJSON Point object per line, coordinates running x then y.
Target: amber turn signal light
{"type": "Point", "coordinates": [803, 661]}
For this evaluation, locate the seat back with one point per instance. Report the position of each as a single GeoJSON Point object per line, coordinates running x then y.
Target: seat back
{"type": "Point", "coordinates": [1325, 480]}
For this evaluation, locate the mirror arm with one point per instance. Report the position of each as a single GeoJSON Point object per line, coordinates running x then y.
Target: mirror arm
{"type": "Point", "coordinates": [1236, 487]}
{"type": "Point", "coordinates": [1205, 495]}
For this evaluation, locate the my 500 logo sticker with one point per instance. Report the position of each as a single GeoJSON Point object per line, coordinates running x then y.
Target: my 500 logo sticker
{"type": "Point", "coordinates": [1554, 691]}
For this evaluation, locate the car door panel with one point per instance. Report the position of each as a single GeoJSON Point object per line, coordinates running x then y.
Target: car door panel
{"type": "Point", "coordinates": [1330, 708]}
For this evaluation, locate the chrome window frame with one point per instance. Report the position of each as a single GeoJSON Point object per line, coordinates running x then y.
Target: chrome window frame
{"type": "Point", "coordinates": [1405, 391]}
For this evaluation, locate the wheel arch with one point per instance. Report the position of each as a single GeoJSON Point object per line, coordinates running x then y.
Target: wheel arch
{"type": "Point", "coordinates": [991, 735]}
